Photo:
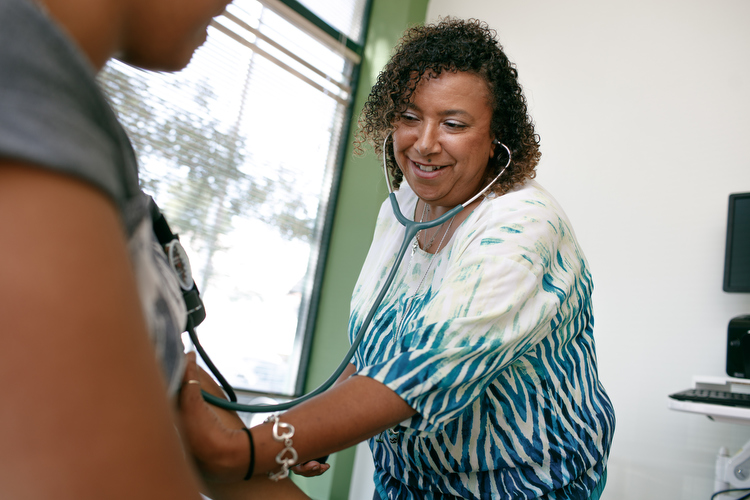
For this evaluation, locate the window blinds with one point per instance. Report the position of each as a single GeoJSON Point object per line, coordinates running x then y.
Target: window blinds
{"type": "Point", "coordinates": [240, 152]}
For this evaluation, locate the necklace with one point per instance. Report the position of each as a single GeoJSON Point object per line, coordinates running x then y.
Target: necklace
{"type": "Point", "coordinates": [434, 235]}
{"type": "Point", "coordinates": [432, 240]}
{"type": "Point", "coordinates": [416, 238]}
{"type": "Point", "coordinates": [419, 287]}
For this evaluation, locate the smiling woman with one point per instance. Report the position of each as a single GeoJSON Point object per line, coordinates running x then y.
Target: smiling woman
{"type": "Point", "coordinates": [480, 335]}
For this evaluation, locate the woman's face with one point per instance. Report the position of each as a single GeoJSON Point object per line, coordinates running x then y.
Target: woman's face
{"type": "Point", "coordinates": [443, 142]}
{"type": "Point", "coordinates": [163, 34]}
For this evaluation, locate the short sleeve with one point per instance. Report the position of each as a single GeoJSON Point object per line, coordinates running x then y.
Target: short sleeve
{"type": "Point", "coordinates": [52, 113]}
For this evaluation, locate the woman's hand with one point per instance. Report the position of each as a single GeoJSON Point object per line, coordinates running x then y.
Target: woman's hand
{"type": "Point", "coordinates": [310, 469]}
{"type": "Point", "coordinates": [214, 436]}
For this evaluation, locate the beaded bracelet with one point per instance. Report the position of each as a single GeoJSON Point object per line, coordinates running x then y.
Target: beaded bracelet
{"type": "Point", "coordinates": [287, 457]}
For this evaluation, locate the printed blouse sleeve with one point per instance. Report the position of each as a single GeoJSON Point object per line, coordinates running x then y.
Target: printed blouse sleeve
{"type": "Point", "coordinates": [497, 299]}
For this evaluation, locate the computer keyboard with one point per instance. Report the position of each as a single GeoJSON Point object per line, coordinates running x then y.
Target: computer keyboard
{"type": "Point", "coordinates": [724, 398]}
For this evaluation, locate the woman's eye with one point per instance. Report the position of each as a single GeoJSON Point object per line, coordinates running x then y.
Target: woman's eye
{"type": "Point", "coordinates": [408, 117]}
{"type": "Point", "coordinates": [455, 125]}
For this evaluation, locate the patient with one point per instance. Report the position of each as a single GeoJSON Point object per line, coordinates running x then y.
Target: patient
{"type": "Point", "coordinates": [87, 410]}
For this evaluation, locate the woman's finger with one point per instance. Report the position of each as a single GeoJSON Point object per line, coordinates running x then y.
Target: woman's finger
{"type": "Point", "coordinates": [310, 469]}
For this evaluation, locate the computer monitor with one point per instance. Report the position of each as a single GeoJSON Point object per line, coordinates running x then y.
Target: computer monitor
{"type": "Point", "coordinates": [737, 258]}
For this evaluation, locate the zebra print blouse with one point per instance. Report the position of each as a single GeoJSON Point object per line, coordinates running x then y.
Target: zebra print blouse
{"type": "Point", "coordinates": [492, 344]}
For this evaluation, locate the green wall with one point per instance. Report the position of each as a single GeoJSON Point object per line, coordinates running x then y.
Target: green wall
{"type": "Point", "coordinates": [362, 191]}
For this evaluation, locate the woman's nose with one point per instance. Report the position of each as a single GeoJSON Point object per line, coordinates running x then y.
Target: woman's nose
{"type": "Point", "coordinates": [428, 141]}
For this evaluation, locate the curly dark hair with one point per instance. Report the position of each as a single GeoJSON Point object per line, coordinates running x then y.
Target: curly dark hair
{"type": "Point", "coordinates": [454, 45]}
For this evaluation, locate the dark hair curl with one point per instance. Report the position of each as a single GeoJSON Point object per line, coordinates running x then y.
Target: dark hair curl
{"type": "Point", "coordinates": [454, 45]}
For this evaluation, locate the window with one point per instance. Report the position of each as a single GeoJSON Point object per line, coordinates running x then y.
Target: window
{"type": "Point", "coordinates": [240, 150]}
{"type": "Point", "coordinates": [346, 16]}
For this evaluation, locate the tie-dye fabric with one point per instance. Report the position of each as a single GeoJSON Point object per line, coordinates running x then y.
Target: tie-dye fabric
{"type": "Point", "coordinates": [492, 344]}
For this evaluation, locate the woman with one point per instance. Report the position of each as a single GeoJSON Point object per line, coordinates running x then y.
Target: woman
{"type": "Point", "coordinates": [85, 298]}
{"type": "Point", "coordinates": [478, 377]}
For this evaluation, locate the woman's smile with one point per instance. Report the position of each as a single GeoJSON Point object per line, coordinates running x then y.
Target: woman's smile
{"type": "Point", "coordinates": [427, 168]}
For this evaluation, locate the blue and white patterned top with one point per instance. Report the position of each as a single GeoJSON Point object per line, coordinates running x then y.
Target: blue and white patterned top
{"type": "Point", "coordinates": [496, 355]}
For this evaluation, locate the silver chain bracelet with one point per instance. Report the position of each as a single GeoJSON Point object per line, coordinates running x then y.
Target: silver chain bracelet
{"type": "Point", "coordinates": [287, 457]}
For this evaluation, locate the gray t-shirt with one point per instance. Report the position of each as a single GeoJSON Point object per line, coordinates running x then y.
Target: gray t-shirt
{"type": "Point", "coordinates": [53, 114]}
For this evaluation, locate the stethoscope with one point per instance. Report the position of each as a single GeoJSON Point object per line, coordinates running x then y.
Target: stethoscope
{"type": "Point", "coordinates": [411, 228]}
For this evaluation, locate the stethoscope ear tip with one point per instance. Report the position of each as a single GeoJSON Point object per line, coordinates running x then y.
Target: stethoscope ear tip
{"type": "Point", "coordinates": [385, 163]}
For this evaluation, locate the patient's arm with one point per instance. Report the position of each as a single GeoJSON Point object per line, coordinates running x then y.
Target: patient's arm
{"type": "Point", "coordinates": [84, 412]}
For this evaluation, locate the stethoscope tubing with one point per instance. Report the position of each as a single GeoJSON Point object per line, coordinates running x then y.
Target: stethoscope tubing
{"type": "Point", "coordinates": [411, 228]}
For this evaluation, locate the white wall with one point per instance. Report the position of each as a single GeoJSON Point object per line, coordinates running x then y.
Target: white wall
{"type": "Point", "coordinates": [644, 112]}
